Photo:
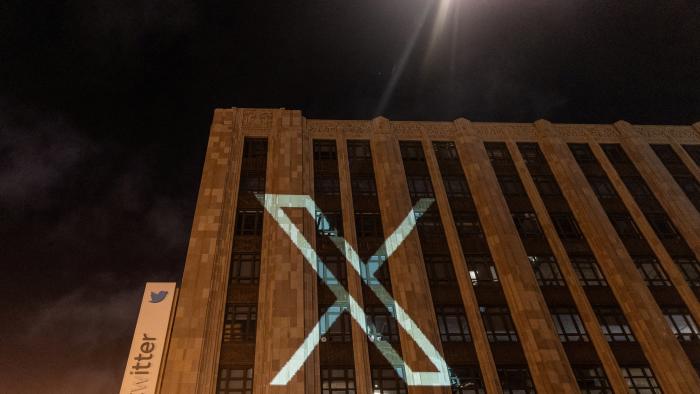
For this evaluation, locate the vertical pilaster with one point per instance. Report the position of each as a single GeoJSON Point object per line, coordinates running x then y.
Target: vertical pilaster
{"type": "Point", "coordinates": [547, 361]}
{"type": "Point", "coordinates": [194, 344]}
{"type": "Point", "coordinates": [408, 276]}
{"type": "Point", "coordinates": [363, 377]}
{"type": "Point", "coordinates": [471, 305]}
{"type": "Point", "coordinates": [668, 360]}
{"type": "Point", "coordinates": [283, 297]}
{"type": "Point", "coordinates": [670, 195]}
{"type": "Point", "coordinates": [585, 310]}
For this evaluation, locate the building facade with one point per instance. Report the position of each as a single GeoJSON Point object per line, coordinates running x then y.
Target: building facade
{"type": "Point", "coordinates": [390, 257]}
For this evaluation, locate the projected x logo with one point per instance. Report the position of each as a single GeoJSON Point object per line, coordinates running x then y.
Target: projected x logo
{"type": "Point", "coordinates": [274, 204]}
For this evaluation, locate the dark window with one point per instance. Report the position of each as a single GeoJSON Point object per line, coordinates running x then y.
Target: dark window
{"type": "Point", "coordinates": [468, 224]}
{"type": "Point", "coordinates": [334, 271]}
{"type": "Point", "coordinates": [688, 184]}
{"type": "Point", "coordinates": [452, 324]}
{"type": "Point", "coordinates": [666, 154]}
{"type": "Point", "coordinates": [615, 153]}
{"type": "Point", "coordinates": [325, 150]}
{"type": "Point", "coordinates": [253, 183]}
{"type": "Point", "coordinates": [651, 271]}
{"type": "Point", "coordinates": [498, 324]}
{"type": "Point", "coordinates": [582, 153]}
{"type": "Point", "coordinates": [516, 380]}
{"type": "Point", "coordinates": [566, 226]}
{"type": "Point", "coordinates": [466, 380]}
{"type": "Point", "coordinates": [412, 150]}
{"type": "Point", "coordinates": [456, 186]}
{"type": "Point", "coordinates": [359, 150]}
{"type": "Point", "coordinates": [439, 269]}
{"type": "Point", "coordinates": [368, 224]}
{"type": "Point", "coordinates": [245, 267]}
{"type": "Point", "coordinates": [335, 321]}
{"type": "Point", "coordinates": [363, 186]}
{"type": "Point", "coordinates": [445, 150]}
{"type": "Point", "coordinates": [569, 325]}
{"type": "Point", "coordinates": [429, 224]}
{"type": "Point", "coordinates": [254, 148]}
{"type": "Point", "coordinates": [338, 380]}
{"type": "Point", "coordinates": [235, 380]}
{"type": "Point", "coordinates": [625, 226]}
{"type": "Point", "coordinates": [614, 324]}
{"type": "Point", "coordinates": [690, 268]}
{"type": "Point", "coordinates": [329, 223]}
{"type": "Point", "coordinates": [592, 380]}
{"type": "Point", "coordinates": [419, 186]}
{"type": "Point", "coordinates": [546, 270]}
{"type": "Point", "coordinates": [640, 380]}
{"type": "Point", "coordinates": [497, 152]}
{"type": "Point", "coordinates": [587, 270]}
{"type": "Point", "coordinates": [547, 185]}
{"type": "Point", "coordinates": [240, 322]}
{"type": "Point", "coordinates": [694, 152]}
{"type": "Point", "coordinates": [388, 381]}
{"type": "Point", "coordinates": [380, 267]}
{"type": "Point", "coordinates": [531, 153]}
{"type": "Point", "coordinates": [662, 226]}
{"type": "Point", "coordinates": [637, 187]}
{"type": "Point", "coordinates": [385, 327]}
{"type": "Point", "coordinates": [326, 185]}
{"type": "Point", "coordinates": [602, 187]}
{"type": "Point", "coordinates": [249, 222]}
{"type": "Point", "coordinates": [682, 323]}
{"type": "Point", "coordinates": [527, 225]}
{"type": "Point", "coordinates": [511, 186]}
{"type": "Point", "coordinates": [481, 269]}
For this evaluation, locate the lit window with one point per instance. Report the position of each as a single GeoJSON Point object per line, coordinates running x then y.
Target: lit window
{"type": "Point", "coordinates": [614, 324]}
{"type": "Point", "coordinates": [335, 321]}
{"type": "Point", "coordinates": [640, 380]}
{"type": "Point", "coordinates": [388, 381]}
{"type": "Point", "coordinates": [235, 380]}
{"type": "Point", "coordinates": [682, 324]}
{"type": "Point", "coordinates": [338, 380]}
{"type": "Point", "coordinates": [690, 268]}
{"type": "Point", "coordinates": [481, 270]}
{"type": "Point", "coordinates": [651, 271]}
{"type": "Point", "coordinates": [546, 271]}
{"type": "Point", "coordinates": [245, 267]}
{"type": "Point", "coordinates": [569, 325]}
{"type": "Point", "coordinates": [240, 322]}
{"type": "Point", "coordinates": [587, 270]}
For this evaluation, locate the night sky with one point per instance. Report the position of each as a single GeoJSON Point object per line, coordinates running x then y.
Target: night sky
{"type": "Point", "coordinates": [105, 109]}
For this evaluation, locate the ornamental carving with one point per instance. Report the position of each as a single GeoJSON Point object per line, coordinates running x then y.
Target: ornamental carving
{"type": "Point", "coordinates": [256, 119]}
{"type": "Point", "coordinates": [333, 127]}
{"type": "Point", "coordinates": [505, 131]}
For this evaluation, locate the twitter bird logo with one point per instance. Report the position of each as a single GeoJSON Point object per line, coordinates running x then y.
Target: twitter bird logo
{"type": "Point", "coordinates": [158, 297]}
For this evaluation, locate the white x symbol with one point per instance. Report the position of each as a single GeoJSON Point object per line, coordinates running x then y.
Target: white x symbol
{"type": "Point", "coordinates": [274, 204]}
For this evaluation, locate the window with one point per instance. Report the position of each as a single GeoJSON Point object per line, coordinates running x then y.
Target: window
{"type": "Point", "coordinates": [329, 224]}
{"type": "Point", "coordinates": [640, 380]}
{"type": "Point", "coordinates": [694, 152]}
{"type": "Point", "coordinates": [235, 380]}
{"type": "Point", "coordinates": [637, 187]}
{"type": "Point", "coordinates": [625, 226]}
{"type": "Point", "coordinates": [245, 267]}
{"type": "Point", "coordinates": [481, 269]}
{"type": "Point", "coordinates": [531, 153]}
{"type": "Point", "coordinates": [466, 380]}
{"type": "Point", "coordinates": [359, 150]}
{"type": "Point", "coordinates": [602, 187]}
{"type": "Point", "coordinates": [252, 183]}
{"type": "Point", "coordinates": [325, 150]}
{"type": "Point", "coordinates": [498, 324]}
{"type": "Point", "coordinates": [527, 225]}
{"type": "Point", "coordinates": [249, 222]}
{"type": "Point", "coordinates": [385, 328]}
{"type": "Point", "coordinates": [497, 152]}
{"type": "Point", "coordinates": [334, 272]}
{"type": "Point", "coordinates": [335, 321]}
{"type": "Point", "coordinates": [666, 154]}
{"type": "Point", "coordinates": [587, 270]}
{"type": "Point", "coordinates": [326, 185]}
{"type": "Point", "coordinates": [368, 224]}
{"type": "Point", "coordinates": [662, 226]}
{"type": "Point", "coordinates": [566, 226]}
{"type": "Point", "coordinates": [690, 268]}
{"type": "Point", "coordinates": [254, 148]}
{"type": "Point", "coordinates": [546, 270]}
{"type": "Point", "coordinates": [467, 224]}
{"type": "Point", "coordinates": [511, 186]}
{"type": "Point", "coordinates": [547, 185]}
{"type": "Point", "coordinates": [380, 267]}
{"type": "Point", "coordinates": [429, 224]}
{"type": "Point", "coordinates": [568, 324]}
{"type": "Point", "coordinates": [388, 381]}
{"type": "Point", "coordinates": [240, 322]}
{"type": "Point", "coordinates": [615, 153]}
{"type": "Point", "coordinates": [363, 186]}
{"type": "Point", "coordinates": [439, 269]}
{"type": "Point", "coordinates": [688, 184]}
{"type": "Point", "coordinates": [651, 271]}
{"type": "Point", "coordinates": [412, 150]}
{"type": "Point", "coordinates": [582, 153]}
{"type": "Point", "coordinates": [452, 323]}
{"type": "Point", "coordinates": [592, 380]}
{"type": "Point", "coordinates": [614, 324]}
{"type": "Point", "coordinates": [338, 380]}
{"type": "Point", "coordinates": [682, 324]}
{"type": "Point", "coordinates": [516, 380]}
{"type": "Point", "coordinates": [445, 150]}
{"type": "Point", "coordinates": [456, 186]}
{"type": "Point", "coordinates": [419, 186]}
